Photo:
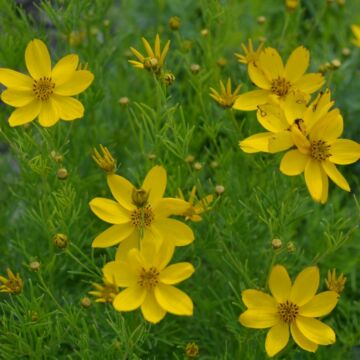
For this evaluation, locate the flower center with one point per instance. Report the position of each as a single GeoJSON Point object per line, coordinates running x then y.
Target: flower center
{"type": "Point", "coordinates": [151, 63]}
{"type": "Point", "coordinates": [319, 150]}
{"type": "Point", "coordinates": [149, 278]}
{"type": "Point", "coordinates": [280, 86]}
{"type": "Point", "coordinates": [288, 311]}
{"type": "Point", "coordinates": [142, 217]}
{"type": "Point", "coordinates": [43, 88]}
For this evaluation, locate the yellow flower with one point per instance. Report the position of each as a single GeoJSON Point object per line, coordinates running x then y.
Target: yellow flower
{"type": "Point", "coordinates": [275, 80]}
{"type": "Point", "coordinates": [47, 92]}
{"type": "Point", "coordinates": [149, 282]}
{"type": "Point", "coordinates": [105, 160]}
{"type": "Point", "coordinates": [292, 4]}
{"type": "Point", "coordinates": [195, 209]}
{"type": "Point", "coordinates": [13, 284]}
{"type": "Point", "coordinates": [155, 59]}
{"type": "Point", "coordinates": [335, 283]}
{"type": "Point", "coordinates": [250, 55]}
{"type": "Point", "coordinates": [291, 308]}
{"type": "Point", "coordinates": [140, 214]}
{"type": "Point", "coordinates": [356, 31]}
{"type": "Point", "coordinates": [106, 292]}
{"type": "Point", "coordinates": [226, 97]}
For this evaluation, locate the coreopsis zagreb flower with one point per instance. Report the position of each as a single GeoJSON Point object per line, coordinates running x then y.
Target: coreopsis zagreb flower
{"type": "Point", "coordinates": [275, 80]}
{"type": "Point", "coordinates": [140, 214]}
{"type": "Point", "coordinates": [250, 55]}
{"type": "Point", "coordinates": [155, 59]}
{"type": "Point", "coordinates": [356, 31]}
{"type": "Point", "coordinates": [104, 160]}
{"type": "Point", "coordinates": [195, 209]}
{"type": "Point", "coordinates": [106, 292]}
{"type": "Point", "coordinates": [335, 283]}
{"type": "Point", "coordinates": [149, 282]}
{"type": "Point", "coordinates": [292, 308]}
{"type": "Point", "coordinates": [47, 92]}
{"type": "Point", "coordinates": [13, 284]}
{"type": "Point", "coordinates": [226, 97]}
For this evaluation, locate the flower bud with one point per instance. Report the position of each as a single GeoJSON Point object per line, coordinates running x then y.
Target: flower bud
{"type": "Point", "coordinates": [85, 302]}
{"type": "Point", "coordinates": [276, 244]}
{"type": "Point", "coordinates": [174, 23]}
{"type": "Point", "coordinates": [62, 174]}
{"type": "Point", "coordinates": [61, 241]}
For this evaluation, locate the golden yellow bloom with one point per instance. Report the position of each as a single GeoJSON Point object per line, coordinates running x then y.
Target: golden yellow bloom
{"type": "Point", "coordinates": [292, 4]}
{"type": "Point", "coordinates": [195, 208]}
{"type": "Point", "coordinates": [276, 81]}
{"type": "Point", "coordinates": [292, 308]}
{"type": "Point", "coordinates": [356, 31]}
{"type": "Point", "coordinates": [149, 282]}
{"type": "Point", "coordinates": [106, 292]}
{"type": "Point", "coordinates": [140, 214]}
{"type": "Point", "coordinates": [13, 284]}
{"type": "Point", "coordinates": [47, 92]}
{"type": "Point", "coordinates": [192, 350]}
{"type": "Point", "coordinates": [335, 283]}
{"type": "Point", "coordinates": [226, 97]}
{"type": "Point", "coordinates": [250, 55]}
{"type": "Point", "coordinates": [155, 59]}
{"type": "Point", "coordinates": [105, 160]}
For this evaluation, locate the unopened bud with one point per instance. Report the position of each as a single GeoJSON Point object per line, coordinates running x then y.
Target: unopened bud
{"type": "Point", "coordinates": [219, 189]}
{"type": "Point", "coordinates": [195, 68]}
{"type": "Point", "coordinates": [190, 158]}
{"type": "Point", "coordinates": [61, 241]}
{"type": "Point", "coordinates": [204, 32]}
{"type": "Point", "coordinates": [276, 244]}
{"type": "Point", "coordinates": [140, 197]}
{"type": "Point", "coordinates": [62, 174]}
{"type": "Point", "coordinates": [291, 247]}
{"type": "Point", "coordinates": [197, 166]}
{"type": "Point", "coordinates": [34, 266]}
{"type": "Point", "coordinates": [174, 23]}
{"type": "Point", "coordinates": [261, 20]}
{"type": "Point", "coordinates": [123, 101]}
{"type": "Point", "coordinates": [57, 157]}
{"type": "Point", "coordinates": [85, 302]}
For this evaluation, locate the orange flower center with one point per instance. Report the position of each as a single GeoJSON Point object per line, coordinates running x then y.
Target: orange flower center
{"type": "Point", "coordinates": [280, 86]}
{"type": "Point", "coordinates": [149, 278]}
{"type": "Point", "coordinates": [142, 217]}
{"type": "Point", "coordinates": [319, 150]}
{"type": "Point", "coordinates": [43, 88]}
{"type": "Point", "coordinates": [288, 311]}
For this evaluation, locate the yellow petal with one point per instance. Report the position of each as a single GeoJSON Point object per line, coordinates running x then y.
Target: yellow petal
{"type": "Point", "coordinates": [344, 152]}
{"type": "Point", "coordinates": [113, 235]}
{"type": "Point", "coordinates": [330, 127]}
{"type": "Point", "coordinates": [131, 242]}
{"type": "Point", "coordinates": [68, 107]}
{"type": "Point", "coordinates": [258, 77]}
{"type": "Point", "coordinates": [300, 140]}
{"type": "Point", "coordinates": [176, 273]}
{"type": "Point", "coordinates": [309, 83]}
{"type": "Point", "coordinates": [280, 283]}
{"type": "Point", "coordinates": [37, 59]}
{"type": "Point", "coordinates": [271, 117]}
{"type": "Point", "coordinates": [251, 100]}
{"type": "Point", "coordinates": [64, 69]}
{"type": "Point", "coordinates": [320, 305]}
{"type": "Point", "coordinates": [325, 187]}
{"type": "Point", "coordinates": [297, 64]}
{"type": "Point", "coordinates": [173, 300]}
{"type": "Point", "coordinates": [164, 53]}
{"type": "Point", "coordinates": [305, 286]}
{"type": "Point", "coordinates": [153, 241]}
{"type": "Point", "coordinates": [313, 179]}
{"type": "Point", "coordinates": [175, 231]}
{"type": "Point", "coordinates": [271, 63]}
{"type": "Point", "coordinates": [277, 338]}
{"type": "Point", "coordinates": [151, 310]}
{"type": "Point", "coordinates": [301, 340]}
{"type": "Point", "coordinates": [164, 255]}
{"type": "Point", "coordinates": [170, 206]}
{"type": "Point", "coordinates": [256, 143]}
{"type": "Point", "coordinates": [259, 319]}
{"type": "Point", "coordinates": [135, 260]}
{"type": "Point", "coordinates": [109, 211]}
{"type": "Point", "coordinates": [77, 83]}
{"type": "Point", "coordinates": [148, 48]}
{"type": "Point", "coordinates": [157, 46]}
{"type": "Point", "coordinates": [294, 107]}
{"type": "Point", "coordinates": [293, 163]}
{"type": "Point", "coordinates": [130, 299]}
{"type": "Point", "coordinates": [316, 331]}
{"type": "Point", "coordinates": [25, 114]}
{"type": "Point", "coordinates": [17, 98]}
{"type": "Point", "coordinates": [255, 299]}
{"type": "Point", "coordinates": [120, 273]}
{"type": "Point", "coordinates": [139, 56]}
{"type": "Point", "coordinates": [122, 190]}
{"type": "Point", "coordinates": [49, 115]}
{"type": "Point", "coordinates": [15, 80]}
{"type": "Point", "coordinates": [335, 175]}
{"type": "Point", "coordinates": [155, 184]}
{"type": "Point", "coordinates": [280, 141]}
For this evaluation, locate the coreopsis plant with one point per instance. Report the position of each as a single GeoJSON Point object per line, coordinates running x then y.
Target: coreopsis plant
{"type": "Point", "coordinates": [140, 214]}
{"type": "Point", "coordinates": [225, 97]}
{"type": "Point", "coordinates": [48, 92]}
{"type": "Point", "coordinates": [149, 282]}
{"type": "Point", "coordinates": [11, 284]}
{"type": "Point", "coordinates": [250, 55]}
{"type": "Point", "coordinates": [291, 309]}
{"type": "Point", "coordinates": [275, 80]}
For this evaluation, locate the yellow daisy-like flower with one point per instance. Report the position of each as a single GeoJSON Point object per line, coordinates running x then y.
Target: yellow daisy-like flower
{"type": "Point", "coordinates": [13, 284]}
{"type": "Point", "coordinates": [275, 80]}
{"type": "Point", "coordinates": [226, 97]}
{"type": "Point", "coordinates": [250, 55]}
{"type": "Point", "coordinates": [140, 214]}
{"type": "Point", "coordinates": [155, 58]}
{"type": "Point", "coordinates": [47, 92]}
{"type": "Point", "coordinates": [149, 282]}
{"type": "Point", "coordinates": [106, 292]}
{"type": "Point", "coordinates": [292, 308]}
{"type": "Point", "coordinates": [195, 209]}
{"type": "Point", "coordinates": [356, 31]}
{"type": "Point", "coordinates": [335, 283]}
